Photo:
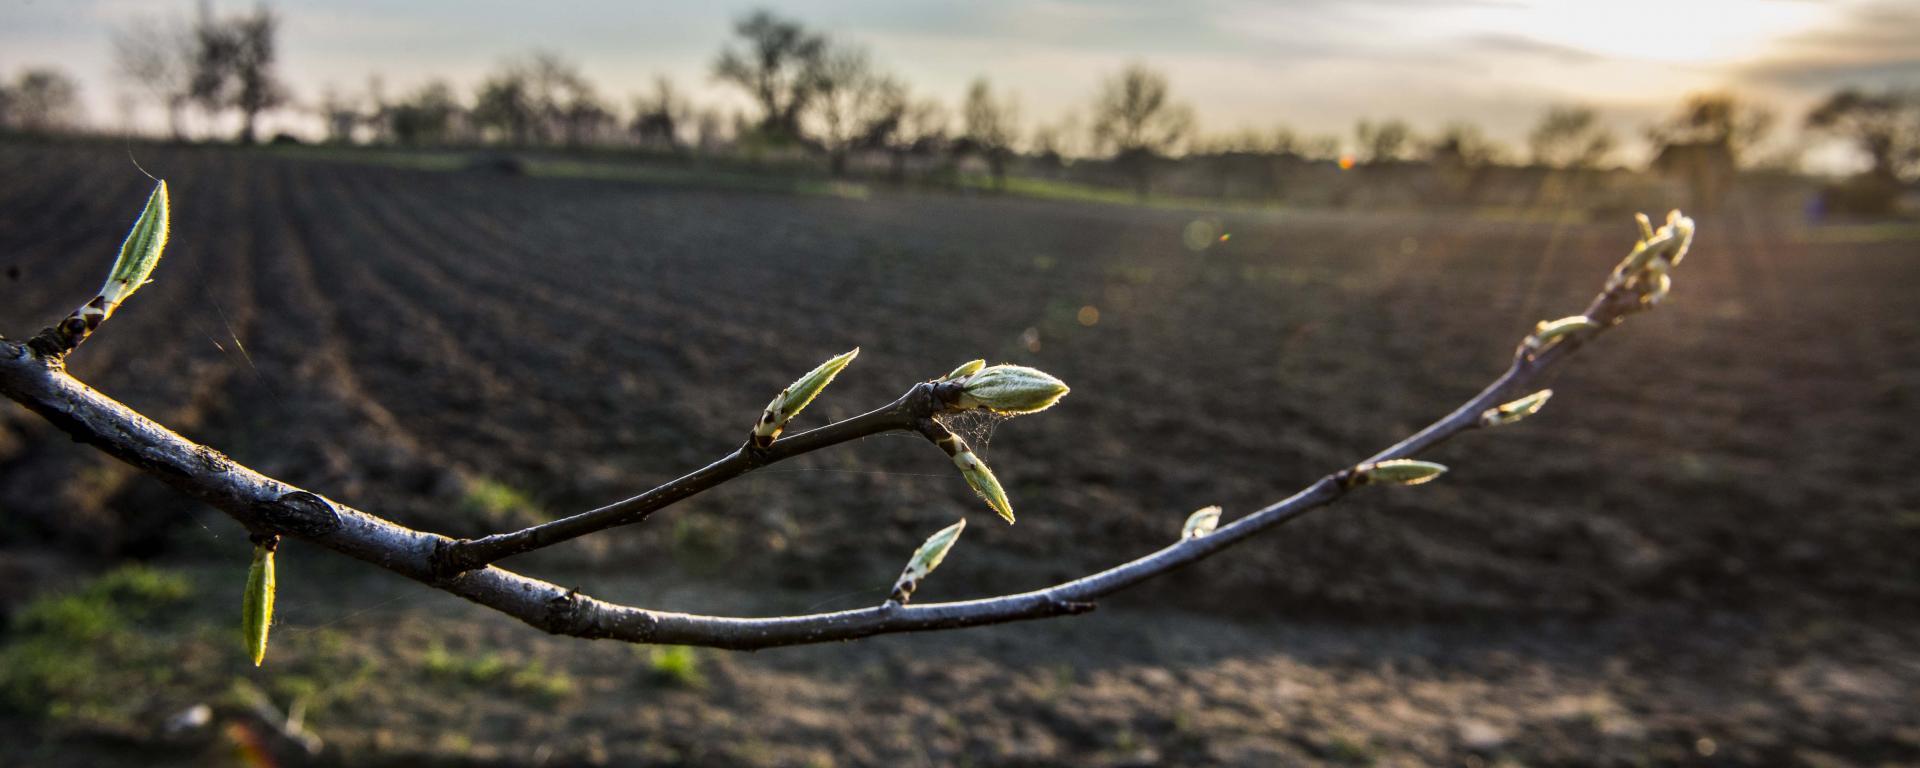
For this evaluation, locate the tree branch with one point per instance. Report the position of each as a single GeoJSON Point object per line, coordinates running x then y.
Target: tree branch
{"type": "Point", "coordinates": [266, 506]}
{"type": "Point", "coordinates": [901, 415]}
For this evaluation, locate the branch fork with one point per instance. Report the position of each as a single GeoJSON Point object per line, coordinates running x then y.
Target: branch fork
{"type": "Point", "coordinates": [33, 375]}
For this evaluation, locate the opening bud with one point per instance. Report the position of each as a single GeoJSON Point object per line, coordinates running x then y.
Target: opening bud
{"type": "Point", "coordinates": [984, 483]}
{"type": "Point", "coordinates": [1508, 413]}
{"type": "Point", "coordinates": [795, 397]}
{"type": "Point", "coordinates": [140, 252]}
{"type": "Point", "coordinates": [1658, 251]}
{"type": "Point", "coordinates": [1010, 389]}
{"type": "Point", "coordinates": [1201, 522]}
{"type": "Point", "coordinates": [925, 559]}
{"type": "Point", "coordinates": [1394, 472]}
{"type": "Point", "coordinates": [966, 369]}
{"type": "Point", "coordinates": [257, 606]}
{"type": "Point", "coordinates": [1547, 334]}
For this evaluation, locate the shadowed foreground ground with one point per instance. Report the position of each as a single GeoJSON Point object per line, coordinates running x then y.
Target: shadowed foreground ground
{"type": "Point", "coordinates": [1701, 552]}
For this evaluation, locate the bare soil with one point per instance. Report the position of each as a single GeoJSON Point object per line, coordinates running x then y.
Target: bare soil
{"type": "Point", "coordinates": [1702, 552]}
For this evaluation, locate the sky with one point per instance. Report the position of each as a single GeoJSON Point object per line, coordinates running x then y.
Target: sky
{"type": "Point", "coordinates": [1315, 65]}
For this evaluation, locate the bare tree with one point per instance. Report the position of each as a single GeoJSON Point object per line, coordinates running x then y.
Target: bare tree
{"type": "Point", "coordinates": [1460, 157]}
{"type": "Point", "coordinates": [1703, 144]}
{"type": "Point", "coordinates": [852, 104]}
{"type": "Point", "coordinates": [1570, 138]}
{"type": "Point", "coordinates": [504, 106]}
{"type": "Point", "coordinates": [777, 67]}
{"type": "Point", "coordinates": [157, 57]}
{"type": "Point", "coordinates": [233, 66]}
{"type": "Point", "coordinates": [711, 130]}
{"type": "Point", "coordinates": [35, 375]}
{"type": "Point", "coordinates": [660, 118]}
{"type": "Point", "coordinates": [1048, 145]}
{"type": "Point", "coordinates": [989, 127]}
{"type": "Point", "coordinates": [583, 118]}
{"type": "Point", "coordinates": [380, 110]}
{"type": "Point", "coordinates": [1885, 127]}
{"type": "Point", "coordinates": [427, 117]}
{"type": "Point", "coordinates": [1384, 142]}
{"type": "Point", "coordinates": [922, 130]}
{"type": "Point", "coordinates": [256, 87]}
{"type": "Point", "coordinates": [1136, 120]}
{"type": "Point", "coordinates": [1464, 144]}
{"type": "Point", "coordinates": [209, 69]}
{"type": "Point", "coordinates": [541, 99]}
{"type": "Point", "coordinates": [1721, 119]}
{"type": "Point", "coordinates": [340, 115]}
{"type": "Point", "coordinates": [41, 100]}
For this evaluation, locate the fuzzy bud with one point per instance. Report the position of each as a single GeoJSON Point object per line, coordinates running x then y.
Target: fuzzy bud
{"type": "Point", "coordinates": [1658, 252]}
{"type": "Point", "coordinates": [139, 254]}
{"type": "Point", "coordinates": [984, 483]}
{"type": "Point", "coordinates": [1394, 472]}
{"type": "Point", "coordinates": [1508, 413]}
{"type": "Point", "coordinates": [1201, 522]}
{"type": "Point", "coordinates": [966, 369]}
{"type": "Point", "coordinates": [1546, 334]}
{"type": "Point", "coordinates": [925, 559]}
{"type": "Point", "coordinates": [795, 397]}
{"type": "Point", "coordinates": [257, 606]}
{"type": "Point", "coordinates": [1010, 389]}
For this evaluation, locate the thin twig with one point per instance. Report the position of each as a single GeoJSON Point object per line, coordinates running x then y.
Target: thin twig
{"type": "Point", "coordinates": [267, 506]}
{"type": "Point", "coordinates": [900, 415]}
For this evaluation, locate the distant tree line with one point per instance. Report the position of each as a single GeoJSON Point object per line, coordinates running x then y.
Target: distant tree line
{"type": "Point", "coordinates": [813, 94]}
{"type": "Point", "coordinates": [40, 100]}
{"type": "Point", "coordinates": [220, 64]}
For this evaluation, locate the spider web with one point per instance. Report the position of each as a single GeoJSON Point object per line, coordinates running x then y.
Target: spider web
{"type": "Point", "coordinates": [975, 426]}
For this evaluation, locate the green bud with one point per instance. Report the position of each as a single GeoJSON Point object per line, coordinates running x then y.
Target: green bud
{"type": "Point", "coordinates": [1658, 283]}
{"type": "Point", "coordinates": [966, 369]}
{"type": "Point", "coordinates": [140, 252]}
{"type": "Point", "coordinates": [925, 559]}
{"type": "Point", "coordinates": [1657, 252]}
{"type": "Point", "coordinates": [1395, 472]}
{"type": "Point", "coordinates": [258, 604]}
{"type": "Point", "coordinates": [795, 397]}
{"type": "Point", "coordinates": [1010, 389]}
{"type": "Point", "coordinates": [1547, 334]}
{"type": "Point", "coordinates": [1678, 234]}
{"type": "Point", "coordinates": [1201, 522]}
{"type": "Point", "coordinates": [1509, 413]}
{"type": "Point", "coordinates": [984, 483]}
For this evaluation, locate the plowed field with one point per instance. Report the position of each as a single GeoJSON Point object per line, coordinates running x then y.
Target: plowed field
{"type": "Point", "coordinates": [1702, 551]}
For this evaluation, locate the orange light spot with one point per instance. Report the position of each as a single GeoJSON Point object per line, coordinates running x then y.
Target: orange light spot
{"type": "Point", "coordinates": [1346, 162]}
{"type": "Point", "coordinates": [1089, 315]}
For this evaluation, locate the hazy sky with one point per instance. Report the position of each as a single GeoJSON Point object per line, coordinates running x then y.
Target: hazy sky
{"type": "Point", "coordinates": [1317, 66]}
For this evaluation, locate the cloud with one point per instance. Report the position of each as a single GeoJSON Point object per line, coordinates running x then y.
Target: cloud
{"type": "Point", "coordinates": [1877, 44]}
{"type": "Point", "coordinates": [1506, 43]}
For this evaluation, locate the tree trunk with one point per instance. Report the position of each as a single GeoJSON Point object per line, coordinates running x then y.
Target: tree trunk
{"type": "Point", "coordinates": [174, 117]}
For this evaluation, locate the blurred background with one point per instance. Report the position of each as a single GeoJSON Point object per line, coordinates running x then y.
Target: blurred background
{"type": "Point", "coordinates": [473, 266]}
